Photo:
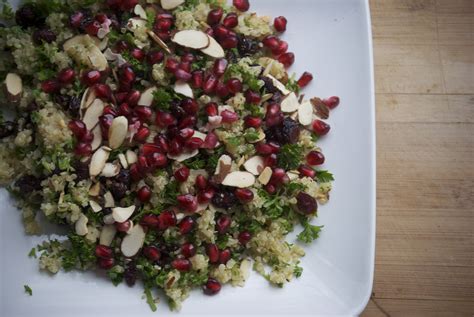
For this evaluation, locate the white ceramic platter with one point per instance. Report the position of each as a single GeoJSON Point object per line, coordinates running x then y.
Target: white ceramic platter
{"type": "Point", "coordinates": [332, 39]}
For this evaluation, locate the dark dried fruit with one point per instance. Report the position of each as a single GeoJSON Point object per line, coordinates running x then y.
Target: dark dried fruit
{"type": "Point", "coordinates": [123, 177]}
{"type": "Point", "coordinates": [224, 199]}
{"type": "Point", "coordinates": [322, 110]}
{"type": "Point", "coordinates": [28, 184]}
{"type": "Point", "coordinates": [74, 106]}
{"type": "Point", "coordinates": [7, 128]}
{"type": "Point", "coordinates": [43, 35]}
{"type": "Point", "coordinates": [286, 132]}
{"type": "Point", "coordinates": [247, 46]}
{"type": "Point", "coordinates": [118, 190]}
{"type": "Point", "coordinates": [28, 15]}
{"type": "Point", "coordinates": [306, 204]}
{"type": "Point", "coordinates": [130, 274]}
{"type": "Point", "coordinates": [81, 170]}
{"type": "Point", "coordinates": [269, 86]}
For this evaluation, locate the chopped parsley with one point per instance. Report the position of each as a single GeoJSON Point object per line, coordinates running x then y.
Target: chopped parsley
{"type": "Point", "coordinates": [28, 290]}
{"type": "Point", "coordinates": [324, 176]}
{"type": "Point", "coordinates": [81, 253]}
{"type": "Point", "coordinates": [116, 275]}
{"type": "Point", "coordinates": [6, 13]}
{"type": "Point", "coordinates": [292, 84]}
{"type": "Point", "coordinates": [163, 98]}
{"type": "Point", "coordinates": [298, 271]}
{"type": "Point", "coordinates": [290, 156]}
{"type": "Point", "coordinates": [195, 163]}
{"type": "Point", "coordinates": [309, 233]}
{"type": "Point", "coordinates": [251, 135]}
{"type": "Point", "coordinates": [32, 253]}
{"type": "Point", "coordinates": [149, 299]}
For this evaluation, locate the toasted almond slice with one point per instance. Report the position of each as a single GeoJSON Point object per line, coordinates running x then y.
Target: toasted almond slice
{"type": "Point", "coordinates": [98, 160]}
{"type": "Point", "coordinates": [87, 99]}
{"type": "Point", "coordinates": [95, 206]}
{"type": "Point", "coordinates": [110, 170]}
{"type": "Point", "coordinates": [292, 175]}
{"type": "Point", "coordinates": [261, 136]}
{"type": "Point", "coordinates": [81, 225]}
{"type": "Point", "coordinates": [94, 190]}
{"type": "Point", "coordinates": [133, 241]}
{"type": "Point", "coordinates": [108, 219]}
{"type": "Point", "coordinates": [84, 49]}
{"type": "Point", "coordinates": [184, 89]}
{"type": "Point", "coordinates": [107, 235]}
{"type": "Point", "coordinates": [104, 43]}
{"type": "Point", "coordinates": [183, 156]}
{"type": "Point", "coordinates": [14, 87]}
{"type": "Point", "coordinates": [224, 160]}
{"type": "Point", "coordinates": [171, 4]}
{"type": "Point", "coordinates": [95, 110]}
{"type": "Point", "coordinates": [118, 132]}
{"type": "Point", "coordinates": [278, 85]}
{"type": "Point", "coordinates": [159, 41]}
{"type": "Point", "coordinates": [192, 39]}
{"type": "Point", "coordinates": [97, 141]}
{"type": "Point", "coordinates": [214, 49]}
{"type": "Point", "coordinates": [123, 160]}
{"type": "Point", "coordinates": [305, 113]}
{"type": "Point", "coordinates": [138, 10]}
{"type": "Point", "coordinates": [131, 157]}
{"type": "Point", "coordinates": [265, 176]}
{"type": "Point", "coordinates": [136, 23]}
{"type": "Point", "coordinates": [239, 179]}
{"type": "Point", "coordinates": [255, 165]}
{"type": "Point", "coordinates": [241, 161]}
{"type": "Point", "coordinates": [199, 134]}
{"type": "Point", "coordinates": [109, 200]}
{"type": "Point", "coordinates": [146, 98]}
{"type": "Point", "coordinates": [290, 103]}
{"type": "Point", "coordinates": [121, 214]}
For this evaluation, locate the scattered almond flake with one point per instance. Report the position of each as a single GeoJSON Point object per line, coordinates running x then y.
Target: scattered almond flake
{"type": "Point", "coordinates": [320, 108]}
{"type": "Point", "coordinates": [266, 97]}
{"type": "Point", "coordinates": [255, 165]}
{"type": "Point", "coordinates": [85, 51]}
{"type": "Point", "coordinates": [278, 85]}
{"type": "Point", "coordinates": [239, 179]}
{"type": "Point", "coordinates": [265, 176]}
{"type": "Point", "coordinates": [290, 103]}
{"type": "Point", "coordinates": [121, 214]}
{"type": "Point", "coordinates": [14, 87]}
{"type": "Point", "coordinates": [81, 225]}
{"type": "Point", "coordinates": [94, 190]}
{"type": "Point", "coordinates": [183, 88]}
{"type": "Point", "coordinates": [115, 57]}
{"type": "Point", "coordinates": [292, 175]}
{"type": "Point", "coordinates": [305, 113]}
{"type": "Point", "coordinates": [138, 10]}
{"type": "Point", "coordinates": [136, 23]}
{"type": "Point", "coordinates": [214, 121]}
{"type": "Point", "coordinates": [107, 235]}
{"type": "Point", "coordinates": [98, 160]}
{"type": "Point", "coordinates": [268, 68]}
{"type": "Point", "coordinates": [171, 4]}
{"type": "Point", "coordinates": [110, 170]}
{"type": "Point", "coordinates": [104, 30]}
{"type": "Point", "coordinates": [146, 98]}
{"type": "Point", "coordinates": [97, 141]}
{"type": "Point", "coordinates": [118, 132]}
{"type": "Point", "coordinates": [214, 49]}
{"type": "Point", "coordinates": [158, 41]}
{"type": "Point", "coordinates": [95, 110]}
{"type": "Point", "coordinates": [131, 157]}
{"type": "Point", "coordinates": [109, 200]}
{"type": "Point", "coordinates": [245, 267]}
{"type": "Point", "coordinates": [61, 198]}
{"type": "Point", "coordinates": [123, 160]}
{"type": "Point", "coordinates": [88, 98]}
{"type": "Point", "coordinates": [133, 241]}
{"type": "Point", "coordinates": [95, 206]}
{"type": "Point", "coordinates": [191, 39]}
{"type": "Point", "coordinates": [241, 162]}
{"type": "Point", "coordinates": [183, 156]}
{"type": "Point", "coordinates": [223, 161]}
{"type": "Point", "coordinates": [202, 207]}
{"type": "Point", "coordinates": [108, 219]}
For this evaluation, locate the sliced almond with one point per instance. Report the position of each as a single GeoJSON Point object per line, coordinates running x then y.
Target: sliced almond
{"type": "Point", "coordinates": [222, 163]}
{"type": "Point", "coordinates": [95, 110]}
{"type": "Point", "coordinates": [133, 241]}
{"type": "Point", "coordinates": [265, 176]}
{"type": "Point", "coordinates": [278, 85]}
{"type": "Point", "coordinates": [123, 160]}
{"type": "Point", "coordinates": [94, 190]}
{"type": "Point", "coordinates": [136, 23]}
{"type": "Point", "coordinates": [107, 235]}
{"type": "Point", "coordinates": [146, 98]}
{"type": "Point", "coordinates": [255, 165]}
{"type": "Point", "coordinates": [121, 214]}
{"type": "Point", "coordinates": [171, 4]}
{"type": "Point", "coordinates": [292, 175]}
{"type": "Point", "coordinates": [108, 219]}
{"type": "Point", "coordinates": [95, 206]}
{"type": "Point", "coordinates": [290, 103]}
{"type": "Point", "coordinates": [183, 156]}
{"type": "Point", "coordinates": [214, 49]}
{"type": "Point", "coordinates": [183, 88]}
{"type": "Point", "coordinates": [109, 200]}
{"type": "Point", "coordinates": [131, 157]}
{"type": "Point", "coordinates": [85, 51]}
{"type": "Point", "coordinates": [305, 113]}
{"type": "Point", "coordinates": [97, 141]}
{"type": "Point", "coordinates": [138, 10]}
{"type": "Point", "coordinates": [199, 134]}
{"type": "Point", "coordinates": [14, 87]}
{"type": "Point", "coordinates": [118, 132]}
{"type": "Point", "coordinates": [81, 225]}
{"type": "Point", "coordinates": [192, 39]}
{"type": "Point", "coordinates": [110, 170]}
{"type": "Point", "coordinates": [222, 108]}
{"type": "Point", "coordinates": [88, 98]}
{"type": "Point", "coordinates": [98, 160]}
{"type": "Point", "coordinates": [239, 179]}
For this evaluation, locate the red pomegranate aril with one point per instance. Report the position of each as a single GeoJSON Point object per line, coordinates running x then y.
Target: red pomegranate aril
{"type": "Point", "coordinates": [188, 250]}
{"type": "Point", "coordinates": [220, 65]}
{"type": "Point", "coordinates": [144, 194]}
{"type": "Point", "coordinates": [188, 58]}
{"type": "Point", "coordinates": [271, 121]}
{"type": "Point", "coordinates": [234, 85]}
{"type": "Point", "coordinates": [135, 173]}
{"type": "Point", "coordinates": [186, 225]}
{"type": "Point", "coordinates": [193, 143]}
{"type": "Point", "coordinates": [183, 75]}
{"type": "Point", "coordinates": [315, 158]}
{"type": "Point", "coordinates": [150, 148]}
{"type": "Point", "coordinates": [138, 54]}
{"type": "Point", "coordinates": [281, 48]}
{"type": "Point", "coordinates": [163, 24]}
{"type": "Point", "coordinates": [182, 265]}
{"type": "Point", "coordinates": [229, 42]}
{"type": "Point", "coordinates": [223, 224]}
{"type": "Point", "coordinates": [253, 122]}
{"type": "Point", "coordinates": [165, 119]}
{"type": "Point", "coordinates": [229, 116]}
{"type": "Point", "coordinates": [123, 226]}
{"type": "Point", "coordinates": [91, 77]}
{"type": "Point", "coordinates": [271, 42]}
{"type": "Point", "coordinates": [150, 221]}
{"type": "Point", "coordinates": [241, 5]}
{"type": "Point", "coordinates": [244, 194]}
{"type": "Point", "coordinates": [102, 91]}
{"type": "Point", "coordinates": [252, 97]}
{"type": "Point", "coordinates": [143, 164]}
{"type": "Point", "coordinates": [142, 134]}
{"type": "Point", "coordinates": [185, 133]}
{"type": "Point", "coordinates": [264, 149]}
{"type": "Point", "coordinates": [181, 174]}
{"type": "Point", "coordinates": [66, 76]}
{"type": "Point", "coordinates": [164, 35]}
{"type": "Point", "coordinates": [222, 90]}
{"type": "Point", "coordinates": [211, 287]}
{"type": "Point", "coordinates": [210, 84]}
{"type": "Point", "coordinates": [152, 253]}
{"type": "Point", "coordinates": [270, 188]}
{"type": "Point", "coordinates": [101, 18]}
{"type": "Point", "coordinates": [128, 5]}
{"type": "Point", "coordinates": [133, 97]}
{"type": "Point", "coordinates": [275, 147]}
{"type": "Point", "coordinates": [78, 128]}
{"type": "Point", "coordinates": [143, 112]}
{"type": "Point", "coordinates": [280, 24]}
{"type": "Point", "coordinates": [124, 110]}
{"type": "Point", "coordinates": [175, 147]}
{"type": "Point", "coordinates": [171, 65]}
{"type": "Point", "coordinates": [88, 137]}
{"type": "Point", "coordinates": [120, 97]}
{"type": "Point", "coordinates": [166, 219]}
{"type": "Point", "coordinates": [211, 109]}
{"type": "Point", "coordinates": [212, 252]}
{"type": "Point", "coordinates": [164, 15]}
{"type": "Point", "coordinates": [273, 110]}
{"type": "Point", "coordinates": [83, 149]}
{"type": "Point", "coordinates": [109, 110]}
{"type": "Point", "coordinates": [190, 106]}
{"type": "Point", "coordinates": [331, 102]}
{"type": "Point", "coordinates": [244, 237]}
{"type": "Point", "coordinates": [224, 256]}
{"type": "Point", "coordinates": [127, 75]}
{"type": "Point", "coordinates": [162, 142]}
{"type": "Point", "coordinates": [305, 79]}
{"type": "Point", "coordinates": [155, 57]}
{"type": "Point", "coordinates": [50, 86]}
{"type": "Point", "coordinates": [220, 31]}
{"type": "Point", "coordinates": [206, 195]}
{"type": "Point", "coordinates": [201, 181]}
{"type": "Point", "coordinates": [278, 176]}
{"type": "Point", "coordinates": [121, 46]}
{"type": "Point", "coordinates": [93, 28]}
{"type": "Point", "coordinates": [270, 160]}
{"type": "Point", "coordinates": [103, 251]}
{"type": "Point", "coordinates": [209, 31]}
{"type": "Point", "coordinates": [306, 171]}
{"type": "Point", "coordinates": [106, 264]}
{"type": "Point", "coordinates": [287, 59]}
{"type": "Point", "coordinates": [321, 127]}
{"type": "Point", "coordinates": [197, 79]}
{"type": "Point", "coordinates": [76, 18]}
{"type": "Point", "coordinates": [187, 202]}
{"type": "Point", "coordinates": [215, 16]}
{"type": "Point", "coordinates": [211, 140]}
{"type": "Point", "coordinates": [187, 122]}
{"type": "Point", "coordinates": [231, 20]}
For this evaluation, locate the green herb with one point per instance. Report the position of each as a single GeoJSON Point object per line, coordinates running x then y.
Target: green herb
{"type": "Point", "coordinates": [292, 84]}
{"type": "Point", "coordinates": [161, 278]}
{"type": "Point", "coordinates": [35, 117]}
{"type": "Point", "coordinates": [290, 156]}
{"type": "Point", "coordinates": [149, 299]}
{"type": "Point", "coordinates": [116, 275]}
{"type": "Point", "coordinates": [81, 253]}
{"type": "Point", "coordinates": [163, 98]}
{"type": "Point", "coordinates": [195, 163]}
{"type": "Point", "coordinates": [135, 63]}
{"type": "Point", "coordinates": [28, 290]}
{"type": "Point", "coordinates": [193, 279]}
{"type": "Point", "coordinates": [150, 237]}
{"type": "Point", "coordinates": [199, 64]}
{"type": "Point", "coordinates": [251, 135]}
{"type": "Point", "coordinates": [324, 176]}
{"type": "Point", "coordinates": [32, 253]}
{"type": "Point", "coordinates": [310, 232]}
{"type": "Point", "coordinates": [214, 158]}
{"type": "Point", "coordinates": [46, 73]}
{"type": "Point", "coordinates": [248, 78]}
{"type": "Point", "coordinates": [273, 206]}
{"type": "Point", "coordinates": [255, 110]}
{"type": "Point", "coordinates": [222, 241]}
{"type": "Point", "coordinates": [150, 18]}
{"type": "Point", "coordinates": [293, 188]}
{"type": "Point", "coordinates": [298, 271]}
{"type": "Point", "coordinates": [7, 13]}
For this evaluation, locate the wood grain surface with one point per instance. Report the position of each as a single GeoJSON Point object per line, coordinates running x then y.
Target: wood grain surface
{"type": "Point", "coordinates": [424, 77]}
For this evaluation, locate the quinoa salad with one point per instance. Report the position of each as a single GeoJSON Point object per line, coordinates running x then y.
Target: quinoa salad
{"type": "Point", "coordinates": [167, 137]}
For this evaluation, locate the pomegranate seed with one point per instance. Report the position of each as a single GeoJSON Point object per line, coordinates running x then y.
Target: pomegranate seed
{"type": "Point", "coordinates": [223, 224]}
{"type": "Point", "coordinates": [181, 174]}
{"type": "Point", "coordinates": [166, 219]}
{"type": "Point", "coordinates": [101, 18]}
{"type": "Point", "coordinates": [76, 18]}
{"type": "Point", "coordinates": [66, 76]}
{"type": "Point", "coordinates": [190, 106]}
{"type": "Point", "coordinates": [193, 143]}
{"type": "Point", "coordinates": [150, 148]}
{"type": "Point", "coordinates": [306, 171]}
{"type": "Point", "coordinates": [128, 5]}
{"type": "Point", "coordinates": [278, 176]}
{"type": "Point", "coordinates": [320, 127]}
{"type": "Point", "coordinates": [234, 85]}
{"type": "Point", "coordinates": [220, 31]}
{"type": "Point", "coordinates": [155, 57]}
{"type": "Point", "coordinates": [138, 54]}
{"type": "Point", "coordinates": [171, 65]}
{"type": "Point", "coordinates": [211, 109]}
{"type": "Point", "coordinates": [273, 110]}
{"type": "Point", "coordinates": [143, 165]}
{"type": "Point", "coordinates": [224, 256]}
{"type": "Point", "coordinates": [83, 149]}
{"type": "Point", "coordinates": [188, 57]}
{"type": "Point", "coordinates": [143, 113]}
{"type": "Point", "coordinates": [305, 79]}
{"type": "Point", "coordinates": [206, 195]}
{"type": "Point", "coordinates": [188, 250]}
{"type": "Point", "coordinates": [280, 24]}
{"type": "Point", "coordinates": [162, 142]}
{"type": "Point", "coordinates": [185, 133]}
{"type": "Point", "coordinates": [91, 77]}
{"type": "Point", "coordinates": [50, 86]}
{"type": "Point", "coordinates": [164, 15]}
{"type": "Point", "coordinates": [252, 97]}
{"type": "Point", "coordinates": [120, 97]}
{"type": "Point", "coordinates": [182, 75]}
{"type": "Point", "coordinates": [264, 149]}
{"type": "Point", "coordinates": [270, 188]}
{"type": "Point", "coordinates": [165, 119]}
{"type": "Point", "coordinates": [187, 122]}
{"type": "Point", "coordinates": [215, 16]}
{"type": "Point", "coordinates": [306, 204]}
{"type": "Point", "coordinates": [142, 134]}
{"type": "Point", "coordinates": [244, 194]}
{"type": "Point", "coordinates": [121, 46]}
{"type": "Point", "coordinates": [103, 91]}
{"type": "Point", "coordinates": [244, 237]}
{"type": "Point", "coordinates": [158, 160]}
{"type": "Point", "coordinates": [152, 253]}
{"type": "Point", "coordinates": [229, 116]}
{"type": "Point", "coordinates": [210, 32]}
{"type": "Point", "coordinates": [270, 160]}
{"type": "Point", "coordinates": [163, 24]}
{"type": "Point", "coordinates": [103, 251]}
{"type": "Point", "coordinates": [133, 97]}
{"type": "Point", "coordinates": [241, 5]}
{"type": "Point", "coordinates": [123, 226]}
{"type": "Point", "coordinates": [229, 42]}
{"type": "Point", "coordinates": [144, 194]}
{"type": "Point", "coordinates": [175, 147]}
{"type": "Point", "coordinates": [187, 202]}
{"type": "Point", "coordinates": [282, 48]}
{"type": "Point", "coordinates": [150, 220]}
{"type": "Point", "coordinates": [287, 59]}
{"type": "Point", "coordinates": [230, 20]}
{"type": "Point", "coordinates": [201, 181]}
{"type": "Point", "coordinates": [315, 158]}
{"type": "Point", "coordinates": [93, 28]}
{"type": "Point", "coordinates": [210, 84]}
{"type": "Point", "coordinates": [164, 35]}
{"type": "Point", "coordinates": [127, 75]}
{"type": "Point", "coordinates": [186, 225]}
{"type": "Point", "coordinates": [211, 287]}
{"type": "Point", "coordinates": [78, 128]}
{"type": "Point", "coordinates": [88, 137]}
{"type": "Point", "coordinates": [182, 265]}
{"type": "Point", "coordinates": [211, 141]}
{"type": "Point", "coordinates": [272, 42]}
{"type": "Point", "coordinates": [220, 65]}
{"type": "Point", "coordinates": [135, 172]}
{"type": "Point", "coordinates": [213, 253]}
{"type": "Point", "coordinates": [331, 102]}
{"type": "Point", "coordinates": [197, 79]}
{"type": "Point", "coordinates": [106, 264]}
{"type": "Point", "coordinates": [108, 110]}
{"type": "Point", "coordinates": [253, 122]}
{"type": "Point", "coordinates": [222, 90]}
{"type": "Point", "coordinates": [275, 147]}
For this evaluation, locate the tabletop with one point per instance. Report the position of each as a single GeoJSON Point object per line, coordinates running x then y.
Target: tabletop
{"type": "Point", "coordinates": [424, 77]}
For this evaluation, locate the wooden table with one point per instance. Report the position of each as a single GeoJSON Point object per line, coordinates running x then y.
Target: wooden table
{"type": "Point", "coordinates": [424, 74]}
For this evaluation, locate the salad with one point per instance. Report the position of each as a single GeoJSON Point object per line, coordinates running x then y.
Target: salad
{"type": "Point", "coordinates": [166, 136]}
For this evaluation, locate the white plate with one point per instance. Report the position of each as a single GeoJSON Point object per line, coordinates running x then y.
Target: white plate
{"type": "Point", "coordinates": [332, 39]}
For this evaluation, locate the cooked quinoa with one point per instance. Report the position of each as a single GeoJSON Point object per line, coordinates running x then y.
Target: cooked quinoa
{"type": "Point", "coordinates": [172, 144]}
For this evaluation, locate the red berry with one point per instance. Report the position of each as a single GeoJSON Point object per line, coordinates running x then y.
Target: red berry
{"type": "Point", "coordinates": [186, 225]}
{"type": "Point", "coordinates": [244, 237]}
{"type": "Point", "coordinates": [188, 202]}
{"type": "Point", "coordinates": [214, 16]}
{"type": "Point", "coordinates": [230, 20]}
{"type": "Point", "coordinates": [229, 42]}
{"type": "Point", "coordinates": [50, 86]}
{"type": "Point", "coordinates": [133, 97]}
{"type": "Point", "coordinates": [188, 250]}
{"type": "Point", "coordinates": [144, 194]}
{"type": "Point", "coordinates": [66, 76]}
{"type": "Point", "coordinates": [241, 5]}
{"type": "Point", "coordinates": [137, 53]}
{"type": "Point", "coordinates": [193, 143]}
{"type": "Point", "coordinates": [150, 220]}
{"type": "Point", "coordinates": [206, 195]}
{"type": "Point", "coordinates": [182, 75]}
{"type": "Point", "coordinates": [78, 128]}
{"type": "Point", "coordinates": [93, 28]}
{"type": "Point", "coordinates": [306, 171]}
{"type": "Point", "coordinates": [103, 252]}
{"type": "Point", "coordinates": [253, 122]}
{"type": "Point", "coordinates": [331, 102]}
{"type": "Point", "coordinates": [211, 109]}
{"type": "Point", "coordinates": [197, 78]}
{"type": "Point", "coordinates": [211, 141]}
{"type": "Point", "coordinates": [182, 265]}
{"type": "Point", "coordinates": [271, 42]}
{"type": "Point", "coordinates": [152, 253]}
{"type": "Point", "coordinates": [91, 77]}
{"type": "Point", "coordinates": [220, 65]}
{"type": "Point", "coordinates": [305, 79]}
{"type": "Point", "coordinates": [252, 97]}
{"type": "Point", "coordinates": [213, 253]}
{"type": "Point", "coordinates": [127, 75]}
{"type": "Point", "coordinates": [234, 85]}
{"type": "Point", "coordinates": [165, 119]}
{"type": "Point", "coordinates": [155, 57]}
{"type": "Point", "coordinates": [171, 64]}
{"type": "Point", "coordinates": [320, 127]}
{"type": "Point", "coordinates": [201, 182]}
{"type": "Point", "coordinates": [211, 287]}
{"type": "Point", "coordinates": [181, 174]}
{"type": "Point", "coordinates": [143, 113]}
{"type": "Point", "coordinates": [287, 59]}
{"type": "Point", "coordinates": [83, 149]}
{"type": "Point", "coordinates": [209, 84]}
{"type": "Point", "coordinates": [142, 134]}
{"type": "Point", "coordinates": [315, 158]}
{"type": "Point", "coordinates": [229, 116]}
{"type": "Point", "coordinates": [123, 226]}
{"type": "Point", "coordinates": [106, 264]}
{"type": "Point", "coordinates": [281, 48]}
{"type": "Point", "coordinates": [158, 160]}
{"type": "Point", "coordinates": [280, 24]}
{"type": "Point", "coordinates": [244, 194]}
{"type": "Point", "coordinates": [224, 256]}
{"type": "Point", "coordinates": [102, 91]}
{"type": "Point", "coordinates": [223, 224]}
{"type": "Point", "coordinates": [166, 219]}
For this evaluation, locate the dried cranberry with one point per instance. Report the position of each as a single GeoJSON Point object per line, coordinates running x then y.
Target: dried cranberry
{"type": "Point", "coordinates": [224, 199]}
{"type": "Point", "coordinates": [43, 35]}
